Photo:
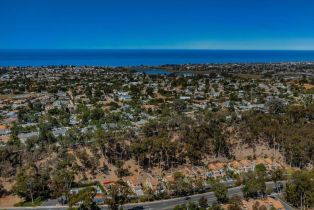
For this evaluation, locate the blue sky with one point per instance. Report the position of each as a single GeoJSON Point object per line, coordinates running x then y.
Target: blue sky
{"type": "Point", "coordinates": [157, 24]}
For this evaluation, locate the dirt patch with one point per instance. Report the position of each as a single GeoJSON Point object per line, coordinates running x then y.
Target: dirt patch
{"type": "Point", "coordinates": [7, 183]}
{"type": "Point", "coordinates": [9, 201]}
{"type": "Point", "coordinates": [308, 86]}
{"type": "Point", "coordinates": [261, 151]}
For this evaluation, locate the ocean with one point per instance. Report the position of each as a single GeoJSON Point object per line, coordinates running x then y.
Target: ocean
{"type": "Point", "coordinates": [146, 57]}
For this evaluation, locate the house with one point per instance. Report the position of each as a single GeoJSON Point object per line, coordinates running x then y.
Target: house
{"type": "Point", "coordinates": [226, 104]}
{"type": "Point", "coordinates": [59, 131]}
{"type": "Point", "coordinates": [236, 167]}
{"type": "Point", "coordinates": [268, 163]}
{"type": "Point", "coordinates": [214, 94]}
{"type": "Point", "coordinates": [135, 183]}
{"type": "Point", "coordinates": [74, 191]}
{"type": "Point", "coordinates": [106, 184]}
{"type": "Point", "coordinates": [12, 114]}
{"type": "Point", "coordinates": [98, 198]}
{"type": "Point", "coordinates": [4, 130]}
{"type": "Point", "coordinates": [60, 103]}
{"type": "Point", "coordinates": [124, 96]}
{"type": "Point", "coordinates": [141, 122]}
{"type": "Point", "coordinates": [73, 120]}
{"type": "Point", "coordinates": [247, 165]}
{"type": "Point", "coordinates": [29, 125]}
{"type": "Point", "coordinates": [25, 136]}
{"type": "Point", "coordinates": [242, 166]}
{"type": "Point", "coordinates": [199, 172]}
{"type": "Point", "coordinates": [9, 120]}
{"type": "Point", "coordinates": [216, 170]}
{"type": "Point", "coordinates": [199, 97]}
{"type": "Point", "coordinates": [61, 95]}
{"type": "Point", "coordinates": [185, 97]}
{"type": "Point", "coordinates": [110, 126]}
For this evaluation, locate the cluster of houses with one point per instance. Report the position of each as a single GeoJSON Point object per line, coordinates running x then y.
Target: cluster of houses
{"type": "Point", "coordinates": [217, 170]}
{"type": "Point", "coordinates": [69, 87]}
{"type": "Point", "coordinates": [220, 170]}
{"type": "Point", "coordinates": [198, 93]}
{"type": "Point", "coordinates": [6, 121]}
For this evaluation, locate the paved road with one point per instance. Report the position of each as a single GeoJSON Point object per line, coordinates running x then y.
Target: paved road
{"type": "Point", "coordinates": [169, 204]}
{"type": "Point", "coordinates": [162, 204]}
{"type": "Point", "coordinates": [50, 202]}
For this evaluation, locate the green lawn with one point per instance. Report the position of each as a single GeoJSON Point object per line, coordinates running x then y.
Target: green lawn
{"type": "Point", "coordinates": [37, 202]}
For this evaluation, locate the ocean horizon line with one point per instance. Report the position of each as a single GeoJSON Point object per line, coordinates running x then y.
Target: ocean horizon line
{"type": "Point", "coordinates": [146, 57]}
{"type": "Point", "coordinates": [150, 49]}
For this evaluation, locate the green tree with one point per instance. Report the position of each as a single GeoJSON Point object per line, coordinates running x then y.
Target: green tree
{"type": "Point", "coordinates": [275, 106]}
{"type": "Point", "coordinates": [193, 206]}
{"type": "Point", "coordinates": [202, 202]}
{"type": "Point", "coordinates": [261, 170]}
{"type": "Point", "coordinates": [121, 171]}
{"type": "Point", "coordinates": [30, 184]}
{"type": "Point", "coordinates": [299, 191]}
{"type": "Point", "coordinates": [180, 207]}
{"type": "Point", "coordinates": [97, 114]}
{"type": "Point", "coordinates": [179, 105]}
{"type": "Point", "coordinates": [216, 207]}
{"type": "Point", "coordinates": [86, 199]}
{"type": "Point", "coordinates": [181, 185]}
{"type": "Point", "coordinates": [61, 182]}
{"type": "Point", "coordinates": [220, 191]}
{"type": "Point", "coordinates": [277, 175]}
{"type": "Point", "coordinates": [118, 194]}
{"type": "Point", "coordinates": [254, 185]}
{"type": "Point", "coordinates": [2, 190]}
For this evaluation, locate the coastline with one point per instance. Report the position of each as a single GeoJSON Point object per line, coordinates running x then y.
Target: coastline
{"type": "Point", "coordinates": [129, 58]}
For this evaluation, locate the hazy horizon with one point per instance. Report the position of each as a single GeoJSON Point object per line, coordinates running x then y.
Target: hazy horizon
{"type": "Point", "coordinates": [145, 49]}
{"type": "Point", "coordinates": [129, 57]}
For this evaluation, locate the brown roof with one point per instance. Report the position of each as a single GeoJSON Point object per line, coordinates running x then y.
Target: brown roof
{"type": "Point", "coordinates": [245, 162]}
{"type": "Point", "coordinates": [3, 127]}
{"type": "Point", "coordinates": [169, 178]}
{"type": "Point", "coordinates": [235, 164]}
{"type": "Point", "coordinates": [268, 161]}
{"type": "Point", "coordinates": [99, 196]}
{"type": "Point", "coordinates": [260, 161]}
{"type": "Point", "coordinates": [215, 166]}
